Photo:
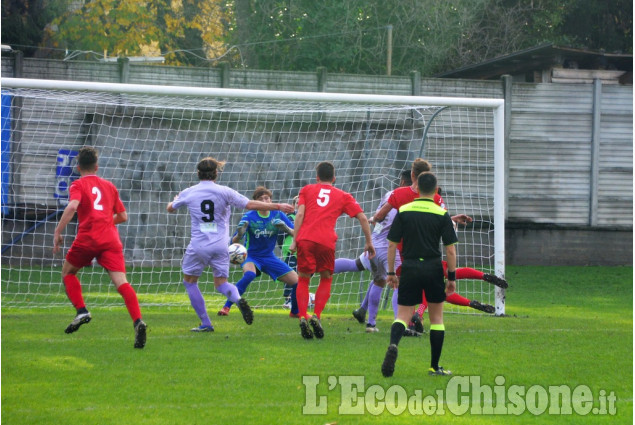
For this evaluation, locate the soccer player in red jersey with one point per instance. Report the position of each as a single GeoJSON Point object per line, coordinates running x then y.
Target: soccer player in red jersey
{"type": "Point", "coordinates": [320, 205]}
{"type": "Point", "coordinates": [404, 195]}
{"type": "Point", "coordinates": [99, 209]}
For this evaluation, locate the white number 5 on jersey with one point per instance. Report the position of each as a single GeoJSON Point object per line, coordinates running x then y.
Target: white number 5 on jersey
{"type": "Point", "coordinates": [96, 204]}
{"type": "Point", "coordinates": [323, 197]}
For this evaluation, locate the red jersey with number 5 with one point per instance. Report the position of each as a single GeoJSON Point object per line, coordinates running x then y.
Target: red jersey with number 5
{"type": "Point", "coordinates": [98, 202]}
{"type": "Point", "coordinates": [323, 204]}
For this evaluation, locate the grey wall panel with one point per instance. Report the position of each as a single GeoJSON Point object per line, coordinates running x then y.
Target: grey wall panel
{"type": "Point", "coordinates": [272, 80]}
{"type": "Point", "coordinates": [369, 84]}
{"type": "Point", "coordinates": [461, 88]}
{"type": "Point", "coordinates": [7, 66]}
{"type": "Point", "coordinates": [550, 151]}
{"type": "Point", "coordinates": [166, 75]}
{"type": "Point", "coordinates": [77, 71]}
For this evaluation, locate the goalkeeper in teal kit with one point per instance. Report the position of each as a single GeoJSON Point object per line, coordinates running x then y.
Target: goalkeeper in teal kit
{"type": "Point", "coordinates": [260, 230]}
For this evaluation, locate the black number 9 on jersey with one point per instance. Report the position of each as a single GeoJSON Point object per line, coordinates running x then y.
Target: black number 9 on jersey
{"type": "Point", "coordinates": [207, 208]}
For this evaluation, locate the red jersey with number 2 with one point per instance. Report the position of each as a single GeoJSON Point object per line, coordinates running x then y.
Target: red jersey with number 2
{"type": "Point", "coordinates": [323, 204]}
{"type": "Point", "coordinates": [98, 202]}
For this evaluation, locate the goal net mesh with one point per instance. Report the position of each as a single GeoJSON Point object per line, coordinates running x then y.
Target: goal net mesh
{"type": "Point", "coordinates": [149, 146]}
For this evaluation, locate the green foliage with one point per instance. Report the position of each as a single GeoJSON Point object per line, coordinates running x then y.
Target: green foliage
{"type": "Point", "coordinates": [566, 326]}
{"type": "Point", "coordinates": [106, 25]}
{"type": "Point", "coordinates": [23, 22]}
{"type": "Point", "coordinates": [431, 36]}
{"type": "Point", "coordinates": [135, 28]}
{"type": "Point", "coordinates": [343, 36]}
{"type": "Point", "coordinates": [601, 25]}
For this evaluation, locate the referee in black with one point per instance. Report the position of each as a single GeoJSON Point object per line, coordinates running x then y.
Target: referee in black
{"type": "Point", "coordinates": [421, 225]}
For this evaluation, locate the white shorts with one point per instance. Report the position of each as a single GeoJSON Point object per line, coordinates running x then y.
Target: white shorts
{"type": "Point", "coordinates": [378, 265]}
{"type": "Point", "coordinates": [196, 259]}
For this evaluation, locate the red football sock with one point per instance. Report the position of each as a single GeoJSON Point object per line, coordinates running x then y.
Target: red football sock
{"type": "Point", "coordinates": [74, 291]}
{"type": "Point", "coordinates": [422, 309]}
{"type": "Point", "coordinates": [322, 295]}
{"type": "Point", "coordinates": [423, 306]}
{"type": "Point", "coordinates": [468, 273]}
{"type": "Point", "coordinates": [130, 298]}
{"type": "Point", "coordinates": [302, 295]}
{"type": "Point", "coordinates": [456, 299]}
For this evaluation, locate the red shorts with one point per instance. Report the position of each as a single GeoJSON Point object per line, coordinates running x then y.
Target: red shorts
{"type": "Point", "coordinates": [314, 257]}
{"type": "Point", "coordinates": [110, 258]}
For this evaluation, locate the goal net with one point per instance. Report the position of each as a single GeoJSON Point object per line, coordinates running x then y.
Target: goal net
{"type": "Point", "coordinates": [150, 139]}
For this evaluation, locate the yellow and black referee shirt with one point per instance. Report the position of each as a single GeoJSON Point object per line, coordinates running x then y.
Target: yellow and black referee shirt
{"type": "Point", "coordinates": [422, 224]}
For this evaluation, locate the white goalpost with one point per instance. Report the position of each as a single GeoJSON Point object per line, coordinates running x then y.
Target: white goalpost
{"type": "Point", "coordinates": [151, 137]}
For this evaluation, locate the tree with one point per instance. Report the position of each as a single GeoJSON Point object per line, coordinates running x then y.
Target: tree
{"type": "Point", "coordinates": [301, 34]}
{"type": "Point", "coordinates": [344, 36]}
{"type": "Point", "coordinates": [23, 22]}
{"type": "Point", "coordinates": [186, 31]}
{"type": "Point", "coordinates": [430, 36]}
{"type": "Point", "coordinates": [600, 25]}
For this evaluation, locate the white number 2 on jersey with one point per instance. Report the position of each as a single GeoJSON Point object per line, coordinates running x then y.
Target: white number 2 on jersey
{"type": "Point", "coordinates": [323, 197]}
{"type": "Point", "coordinates": [96, 204]}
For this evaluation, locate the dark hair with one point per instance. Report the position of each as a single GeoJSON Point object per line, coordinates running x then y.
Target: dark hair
{"type": "Point", "coordinates": [427, 183]}
{"type": "Point", "coordinates": [208, 168]}
{"type": "Point", "coordinates": [87, 158]}
{"type": "Point", "coordinates": [325, 171]}
{"type": "Point", "coordinates": [259, 191]}
{"type": "Point", "coordinates": [405, 177]}
{"type": "Point", "coordinates": [420, 165]}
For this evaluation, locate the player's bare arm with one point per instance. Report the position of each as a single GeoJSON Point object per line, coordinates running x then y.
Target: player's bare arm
{"type": "Point", "coordinates": [299, 218]}
{"type": "Point", "coordinates": [170, 208]}
{"type": "Point", "coordinates": [392, 279]}
{"type": "Point", "coordinates": [462, 219]}
{"type": "Point", "coordinates": [450, 256]}
{"type": "Point", "coordinates": [120, 217]}
{"type": "Point", "coordinates": [267, 206]}
{"type": "Point", "coordinates": [381, 214]}
{"type": "Point", "coordinates": [67, 216]}
{"type": "Point", "coordinates": [368, 247]}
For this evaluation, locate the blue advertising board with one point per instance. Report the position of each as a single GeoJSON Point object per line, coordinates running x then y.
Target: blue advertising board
{"type": "Point", "coordinates": [5, 148]}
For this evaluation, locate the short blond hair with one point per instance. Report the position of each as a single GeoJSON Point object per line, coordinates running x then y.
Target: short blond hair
{"type": "Point", "coordinates": [419, 166]}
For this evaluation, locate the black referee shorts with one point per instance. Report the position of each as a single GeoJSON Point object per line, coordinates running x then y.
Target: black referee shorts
{"type": "Point", "coordinates": [418, 276]}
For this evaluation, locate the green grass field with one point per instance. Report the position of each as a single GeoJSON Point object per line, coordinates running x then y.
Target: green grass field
{"type": "Point", "coordinates": [567, 326]}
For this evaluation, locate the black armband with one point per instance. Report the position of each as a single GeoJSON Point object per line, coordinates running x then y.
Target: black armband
{"type": "Point", "coordinates": [391, 274]}
{"type": "Point", "coordinates": [451, 275]}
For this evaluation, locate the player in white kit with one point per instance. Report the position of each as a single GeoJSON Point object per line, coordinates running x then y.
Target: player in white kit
{"type": "Point", "coordinates": [210, 205]}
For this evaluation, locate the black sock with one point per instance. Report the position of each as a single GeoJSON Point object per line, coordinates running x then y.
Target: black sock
{"type": "Point", "coordinates": [436, 345]}
{"type": "Point", "coordinates": [82, 310]}
{"type": "Point", "coordinates": [396, 332]}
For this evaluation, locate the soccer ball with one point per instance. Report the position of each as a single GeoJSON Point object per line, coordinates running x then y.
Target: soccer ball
{"type": "Point", "coordinates": [237, 253]}
{"type": "Point", "coordinates": [311, 300]}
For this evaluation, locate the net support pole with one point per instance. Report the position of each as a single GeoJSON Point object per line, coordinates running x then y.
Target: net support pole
{"type": "Point", "coordinates": [499, 204]}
